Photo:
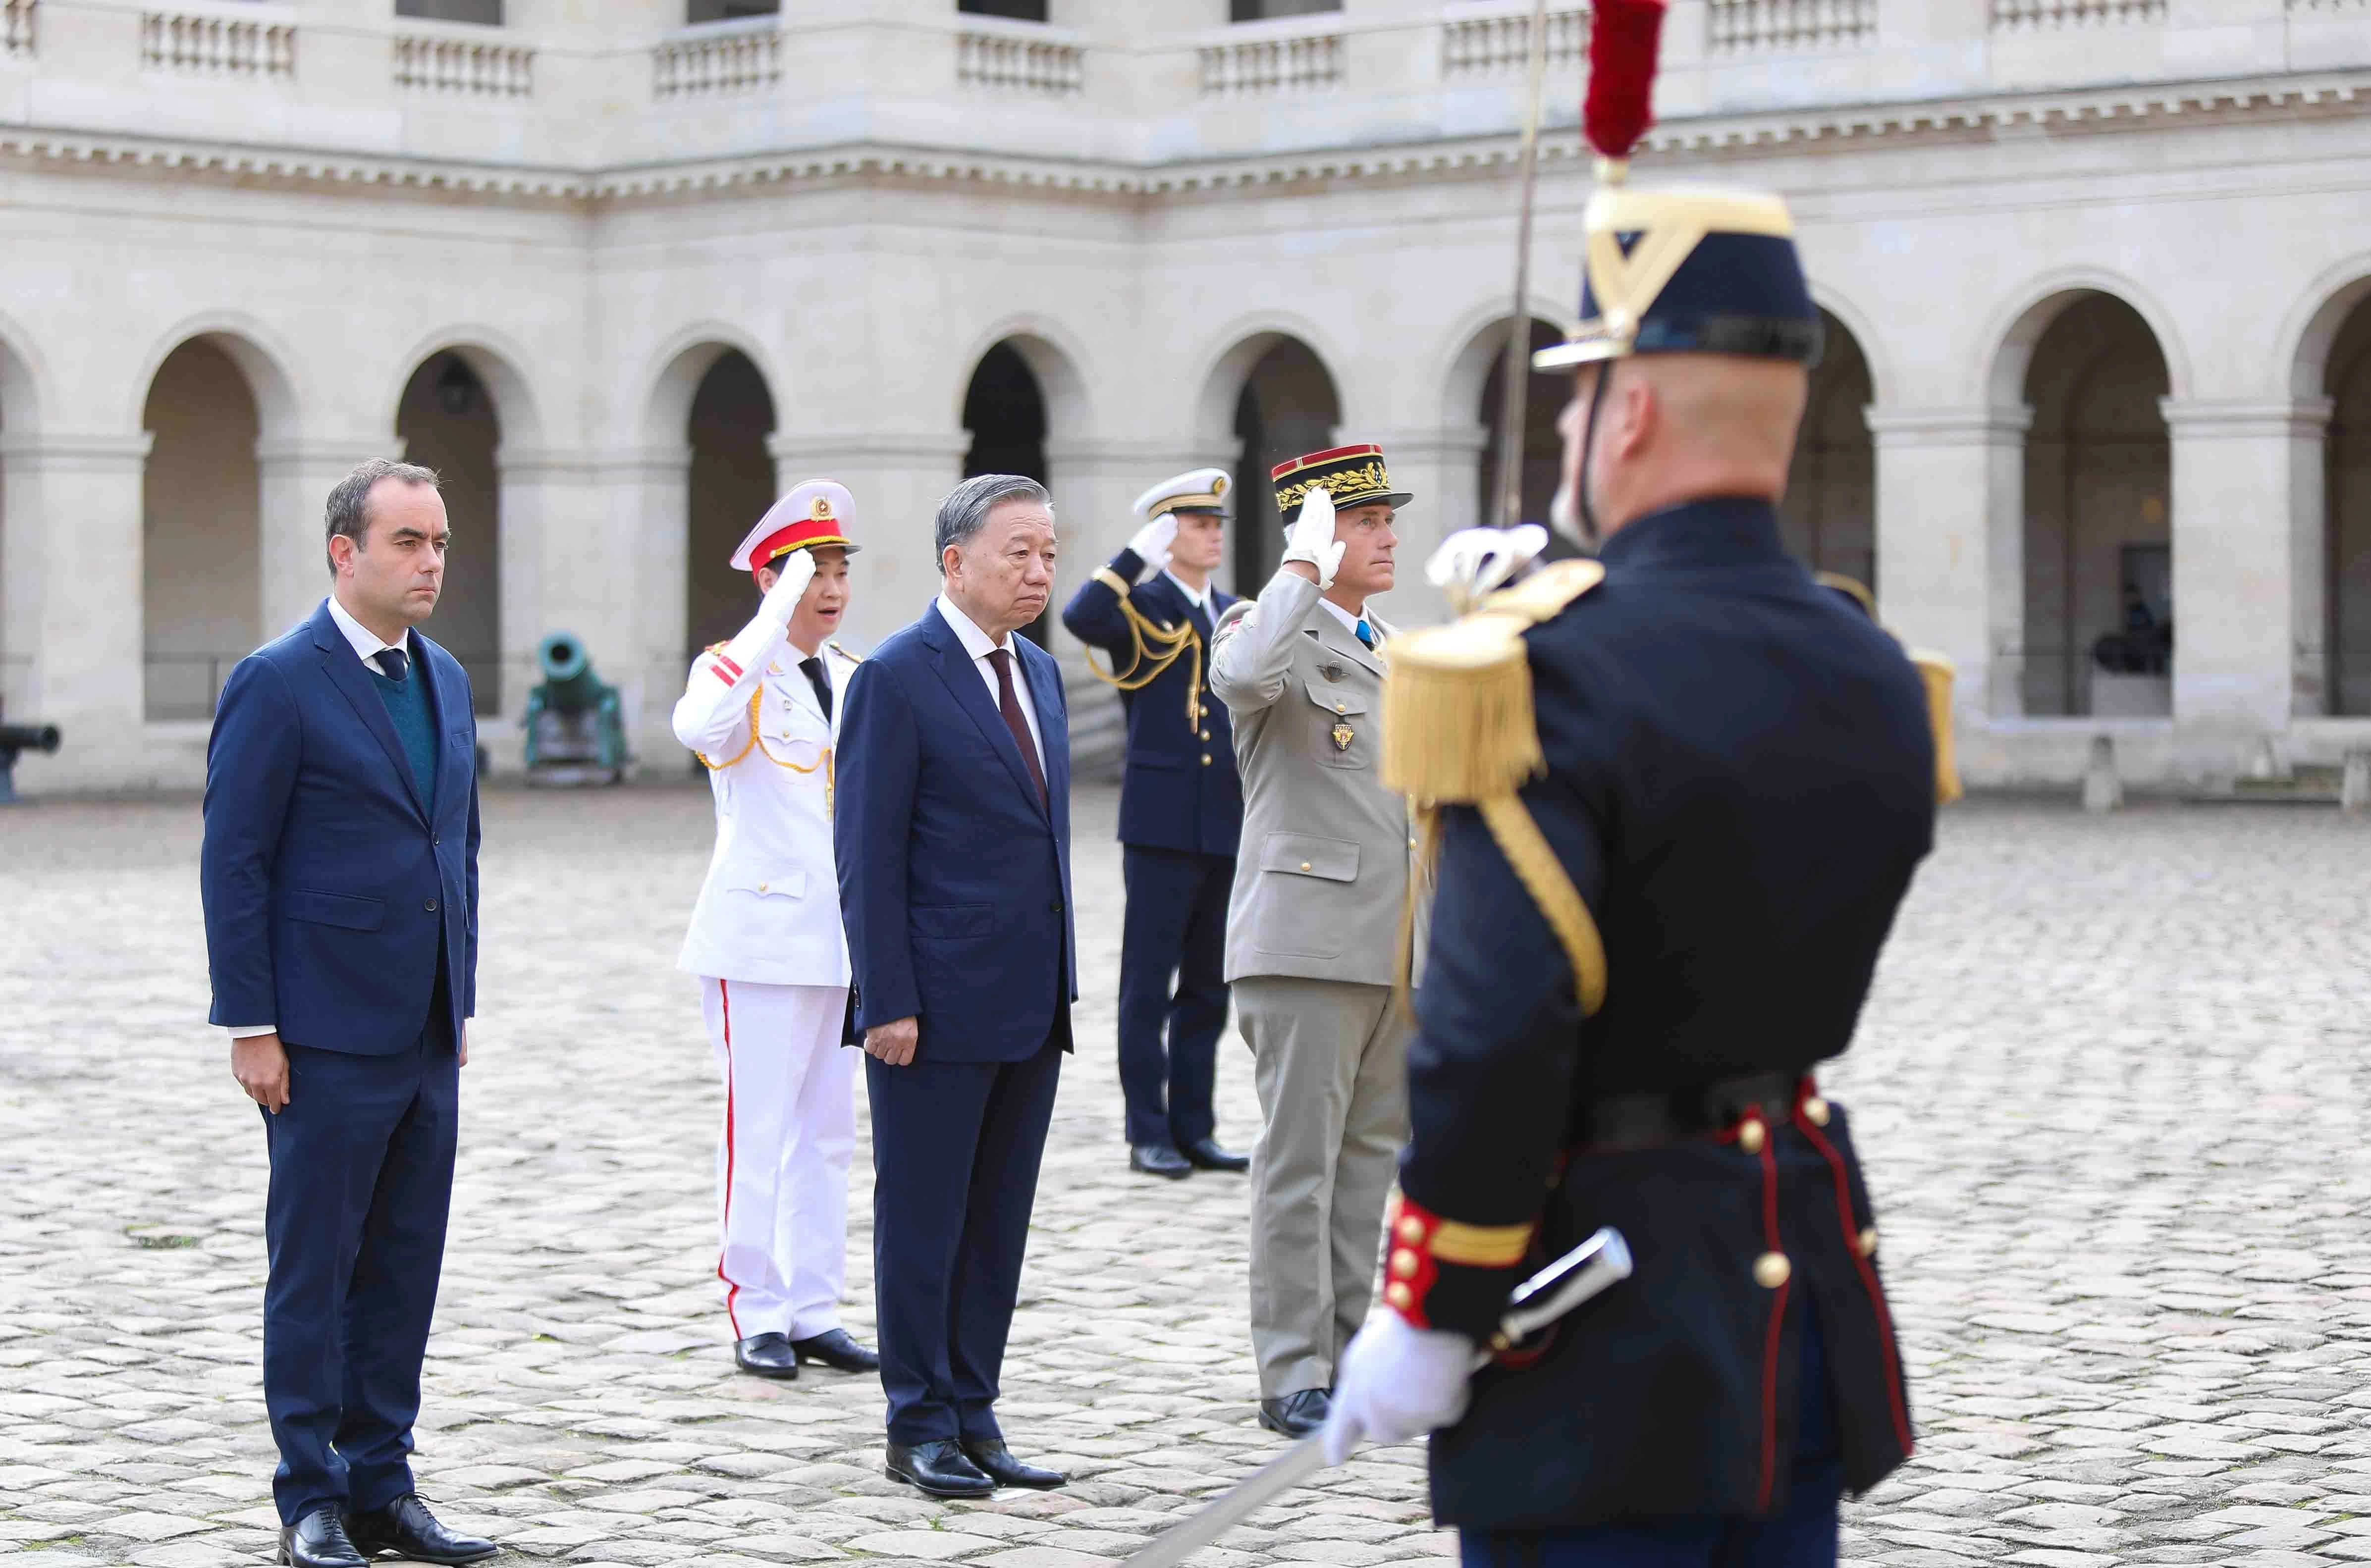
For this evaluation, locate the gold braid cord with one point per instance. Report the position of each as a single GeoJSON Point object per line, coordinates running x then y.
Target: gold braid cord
{"type": "Point", "coordinates": [1155, 650]}
{"type": "Point", "coordinates": [824, 758]}
{"type": "Point", "coordinates": [1459, 730]}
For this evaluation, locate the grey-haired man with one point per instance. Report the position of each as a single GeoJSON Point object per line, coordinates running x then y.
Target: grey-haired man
{"type": "Point", "coordinates": [953, 835]}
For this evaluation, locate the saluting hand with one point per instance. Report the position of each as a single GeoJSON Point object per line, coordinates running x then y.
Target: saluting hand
{"type": "Point", "coordinates": [793, 572]}
{"type": "Point", "coordinates": [1153, 541]}
{"type": "Point", "coordinates": [893, 1042]}
{"type": "Point", "coordinates": [260, 1064]}
{"type": "Point", "coordinates": [1312, 542]}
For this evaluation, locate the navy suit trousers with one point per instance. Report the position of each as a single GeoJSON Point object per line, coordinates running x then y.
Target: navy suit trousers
{"type": "Point", "coordinates": [955, 1150]}
{"type": "Point", "coordinates": [361, 1180]}
{"type": "Point", "coordinates": [1801, 1533]}
{"type": "Point", "coordinates": [1175, 929]}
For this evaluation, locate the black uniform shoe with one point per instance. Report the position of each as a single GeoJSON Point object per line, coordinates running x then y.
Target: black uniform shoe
{"type": "Point", "coordinates": [834, 1348]}
{"type": "Point", "coordinates": [997, 1461]}
{"type": "Point", "coordinates": [1157, 1160]}
{"type": "Point", "coordinates": [1297, 1415]}
{"type": "Point", "coordinates": [407, 1528]}
{"type": "Point", "coordinates": [1207, 1154]}
{"type": "Point", "coordinates": [318, 1541]}
{"type": "Point", "coordinates": [937, 1469]}
{"type": "Point", "coordinates": [766, 1356]}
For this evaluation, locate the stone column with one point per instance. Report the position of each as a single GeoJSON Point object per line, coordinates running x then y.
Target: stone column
{"type": "Point", "coordinates": [1442, 468]}
{"type": "Point", "coordinates": [72, 629]}
{"type": "Point", "coordinates": [2247, 568]}
{"type": "Point", "coordinates": [297, 477]}
{"type": "Point", "coordinates": [564, 568]}
{"type": "Point", "coordinates": [1950, 542]}
{"type": "Point", "coordinates": [648, 505]}
{"type": "Point", "coordinates": [896, 478]}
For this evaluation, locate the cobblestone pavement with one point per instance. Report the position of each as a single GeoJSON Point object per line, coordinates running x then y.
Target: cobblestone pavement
{"type": "Point", "coordinates": [2111, 1083]}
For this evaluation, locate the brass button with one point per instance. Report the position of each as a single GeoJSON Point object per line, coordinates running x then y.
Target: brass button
{"type": "Point", "coordinates": [1405, 1264]}
{"type": "Point", "coordinates": [1411, 1229]}
{"type": "Point", "coordinates": [1868, 1243]}
{"type": "Point", "coordinates": [1206, 734]}
{"type": "Point", "coordinates": [1400, 1296]}
{"type": "Point", "coordinates": [1305, 866]}
{"type": "Point", "coordinates": [1341, 707]}
{"type": "Point", "coordinates": [761, 887]}
{"type": "Point", "coordinates": [1772, 1269]}
{"type": "Point", "coordinates": [1411, 843]}
{"type": "Point", "coordinates": [1205, 759]}
{"type": "Point", "coordinates": [1815, 1111]}
{"type": "Point", "coordinates": [1749, 1135]}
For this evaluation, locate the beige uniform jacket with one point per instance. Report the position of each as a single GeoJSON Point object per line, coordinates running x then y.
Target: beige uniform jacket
{"type": "Point", "coordinates": [1324, 862]}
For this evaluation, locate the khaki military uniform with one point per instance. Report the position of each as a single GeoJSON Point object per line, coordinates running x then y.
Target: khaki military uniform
{"type": "Point", "coordinates": [1313, 936]}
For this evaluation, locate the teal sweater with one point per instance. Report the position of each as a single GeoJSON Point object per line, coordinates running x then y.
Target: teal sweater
{"type": "Point", "coordinates": [415, 723]}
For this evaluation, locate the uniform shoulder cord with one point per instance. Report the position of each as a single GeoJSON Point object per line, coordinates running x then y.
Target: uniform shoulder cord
{"type": "Point", "coordinates": [824, 758]}
{"type": "Point", "coordinates": [1153, 644]}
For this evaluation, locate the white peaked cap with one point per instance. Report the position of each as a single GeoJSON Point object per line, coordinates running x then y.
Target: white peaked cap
{"type": "Point", "coordinates": [1197, 489]}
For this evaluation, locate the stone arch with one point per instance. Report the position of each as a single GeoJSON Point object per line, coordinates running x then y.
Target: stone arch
{"type": "Point", "coordinates": [1055, 359]}
{"type": "Point", "coordinates": [1471, 348]}
{"type": "Point", "coordinates": [1475, 382]}
{"type": "Point", "coordinates": [724, 430]}
{"type": "Point", "coordinates": [497, 363]}
{"type": "Point", "coordinates": [1829, 514]}
{"type": "Point", "coordinates": [1862, 327]}
{"type": "Point", "coordinates": [1282, 398]}
{"type": "Point", "coordinates": [2016, 327]}
{"type": "Point", "coordinates": [22, 380]}
{"type": "Point", "coordinates": [267, 365]}
{"type": "Point", "coordinates": [1229, 368]}
{"type": "Point", "coordinates": [673, 375]}
{"type": "Point", "coordinates": [2329, 364]}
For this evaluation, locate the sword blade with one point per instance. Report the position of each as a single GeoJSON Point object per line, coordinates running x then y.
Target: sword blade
{"type": "Point", "coordinates": [1540, 1300]}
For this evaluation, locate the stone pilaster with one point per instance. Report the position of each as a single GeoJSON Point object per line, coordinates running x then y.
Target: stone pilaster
{"type": "Point", "coordinates": [1442, 468]}
{"type": "Point", "coordinates": [646, 490]}
{"type": "Point", "coordinates": [296, 476]}
{"type": "Point", "coordinates": [896, 478]}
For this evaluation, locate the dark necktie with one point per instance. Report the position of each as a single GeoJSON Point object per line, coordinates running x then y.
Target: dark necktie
{"type": "Point", "coordinates": [390, 661]}
{"type": "Point", "coordinates": [1366, 634]}
{"type": "Point", "coordinates": [821, 682]}
{"type": "Point", "coordinates": [1002, 658]}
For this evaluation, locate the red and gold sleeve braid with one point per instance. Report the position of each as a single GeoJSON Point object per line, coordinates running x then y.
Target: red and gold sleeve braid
{"type": "Point", "coordinates": [1445, 1274]}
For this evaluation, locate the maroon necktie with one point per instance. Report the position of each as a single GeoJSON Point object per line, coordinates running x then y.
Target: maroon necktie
{"type": "Point", "coordinates": [1002, 658]}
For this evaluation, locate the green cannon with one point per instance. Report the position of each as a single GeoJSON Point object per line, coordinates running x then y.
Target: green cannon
{"type": "Point", "coordinates": [575, 732]}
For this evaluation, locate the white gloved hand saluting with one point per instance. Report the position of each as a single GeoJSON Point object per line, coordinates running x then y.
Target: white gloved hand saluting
{"type": "Point", "coordinates": [1474, 562]}
{"type": "Point", "coordinates": [1396, 1383]}
{"type": "Point", "coordinates": [1311, 539]}
{"type": "Point", "coordinates": [1152, 542]}
{"type": "Point", "coordinates": [794, 571]}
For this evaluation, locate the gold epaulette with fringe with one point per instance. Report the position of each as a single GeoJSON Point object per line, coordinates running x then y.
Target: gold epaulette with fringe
{"type": "Point", "coordinates": [1459, 730]}
{"type": "Point", "coordinates": [1936, 672]}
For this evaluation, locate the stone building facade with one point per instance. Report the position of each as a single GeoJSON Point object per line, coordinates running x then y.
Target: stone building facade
{"type": "Point", "coordinates": [2095, 418]}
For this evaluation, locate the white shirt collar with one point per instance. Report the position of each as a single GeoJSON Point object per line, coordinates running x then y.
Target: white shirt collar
{"type": "Point", "coordinates": [977, 643]}
{"type": "Point", "coordinates": [1349, 622]}
{"type": "Point", "coordinates": [367, 644]}
{"type": "Point", "coordinates": [1200, 598]}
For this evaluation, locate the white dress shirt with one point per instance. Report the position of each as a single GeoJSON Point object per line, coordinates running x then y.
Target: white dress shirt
{"type": "Point", "coordinates": [978, 644]}
{"type": "Point", "coordinates": [368, 647]}
{"type": "Point", "coordinates": [1200, 598]}
{"type": "Point", "coordinates": [1349, 622]}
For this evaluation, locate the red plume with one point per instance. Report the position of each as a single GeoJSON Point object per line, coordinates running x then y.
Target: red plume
{"type": "Point", "coordinates": [1622, 48]}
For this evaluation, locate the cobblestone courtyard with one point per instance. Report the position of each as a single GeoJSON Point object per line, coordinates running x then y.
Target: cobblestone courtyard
{"type": "Point", "coordinates": [2111, 1084]}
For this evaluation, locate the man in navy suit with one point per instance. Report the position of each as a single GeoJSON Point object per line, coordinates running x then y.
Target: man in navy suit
{"type": "Point", "coordinates": [953, 838]}
{"type": "Point", "coordinates": [1181, 814]}
{"type": "Point", "coordinates": [340, 878]}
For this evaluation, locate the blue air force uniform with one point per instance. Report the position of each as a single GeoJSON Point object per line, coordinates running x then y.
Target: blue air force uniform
{"type": "Point", "coordinates": [1180, 816]}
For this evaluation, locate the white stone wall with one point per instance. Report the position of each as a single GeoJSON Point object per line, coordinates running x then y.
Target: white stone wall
{"type": "Point", "coordinates": [590, 206]}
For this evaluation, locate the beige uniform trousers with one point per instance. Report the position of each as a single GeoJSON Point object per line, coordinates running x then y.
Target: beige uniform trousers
{"type": "Point", "coordinates": [1330, 1059]}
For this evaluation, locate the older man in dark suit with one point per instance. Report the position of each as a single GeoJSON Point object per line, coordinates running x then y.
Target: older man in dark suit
{"type": "Point", "coordinates": [340, 878]}
{"type": "Point", "coordinates": [953, 835]}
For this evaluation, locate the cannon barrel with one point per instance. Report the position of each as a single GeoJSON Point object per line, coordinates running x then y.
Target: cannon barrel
{"type": "Point", "coordinates": [569, 684]}
{"type": "Point", "coordinates": [15, 738]}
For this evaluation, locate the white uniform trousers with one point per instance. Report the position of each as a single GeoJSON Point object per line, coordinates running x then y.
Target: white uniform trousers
{"type": "Point", "coordinates": [782, 1163]}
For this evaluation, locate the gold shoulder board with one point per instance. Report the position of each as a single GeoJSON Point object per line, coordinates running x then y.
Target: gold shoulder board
{"type": "Point", "coordinates": [851, 658]}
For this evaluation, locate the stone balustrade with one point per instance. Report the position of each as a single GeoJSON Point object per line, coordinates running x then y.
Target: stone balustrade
{"type": "Point", "coordinates": [463, 67]}
{"type": "Point", "coordinates": [2042, 16]}
{"type": "Point", "coordinates": [1495, 44]}
{"type": "Point", "coordinates": [16, 29]}
{"type": "Point", "coordinates": [718, 60]}
{"type": "Point", "coordinates": [1270, 63]}
{"type": "Point", "coordinates": [1038, 61]}
{"type": "Point", "coordinates": [1749, 27]}
{"type": "Point", "coordinates": [237, 40]}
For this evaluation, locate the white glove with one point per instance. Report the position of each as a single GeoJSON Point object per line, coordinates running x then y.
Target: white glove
{"type": "Point", "coordinates": [793, 572]}
{"type": "Point", "coordinates": [1312, 540]}
{"type": "Point", "coordinates": [1152, 542]}
{"type": "Point", "coordinates": [1396, 1383]}
{"type": "Point", "coordinates": [1474, 562]}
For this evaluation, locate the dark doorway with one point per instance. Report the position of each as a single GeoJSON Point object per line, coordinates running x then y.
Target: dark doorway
{"type": "Point", "coordinates": [1543, 399]}
{"type": "Point", "coordinates": [1288, 407]}
{"type": "Point", "coordinates": [448, 422]}
{"type": "Point", "coordinates": [730, 485]}
{"type": "Point", "coordinates": [1829, 518]}
{"type": "Point", "coordinates": [1004, 408]}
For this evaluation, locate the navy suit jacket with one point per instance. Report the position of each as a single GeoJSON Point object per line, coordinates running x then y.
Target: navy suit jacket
{"type": "Point", "coordinates": [955, 879]}
{"type": "Point", "coordinates": [1180, 790]}
{"type": "Point", "coordinates": [332, 890]}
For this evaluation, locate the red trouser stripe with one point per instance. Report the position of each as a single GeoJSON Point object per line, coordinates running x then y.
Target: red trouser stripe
{"type": "Point", "coordinates": [732, 1290]}
{"type": "Point", "coordinates": [1891, 1357]}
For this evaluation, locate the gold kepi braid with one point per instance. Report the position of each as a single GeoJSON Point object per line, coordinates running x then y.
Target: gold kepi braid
{"type": "Point", "coordinates": [1162, 647]}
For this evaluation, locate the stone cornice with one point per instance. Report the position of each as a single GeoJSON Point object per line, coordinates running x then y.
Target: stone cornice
{"type": "Point", "coordinates": [1967, 120]}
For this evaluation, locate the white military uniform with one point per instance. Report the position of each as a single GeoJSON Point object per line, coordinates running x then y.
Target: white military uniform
{"type": "Point", "coordinates": [766, 941]}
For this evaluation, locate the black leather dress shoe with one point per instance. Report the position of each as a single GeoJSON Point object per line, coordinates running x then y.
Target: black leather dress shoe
{"type": "Point", "coordinates": [407, 1528]}
{"type": "Point", "coordinates": [1157, 1160]}
{"type": "Point", "coordinates": [1207, 1154]}
{"type": "Point", "coordinates": [937, 1469]}
{"type": "Point", "coordinates": [766, 1356]}
{"type": "Point", "coordinates": [997, 1462]}
{"type": "Point", "coordinates": [318, 1541]}
{"type": "Point", "coordinates": [1297, 1415]}
{"type": "Point", "coordinates": [834, 1348]}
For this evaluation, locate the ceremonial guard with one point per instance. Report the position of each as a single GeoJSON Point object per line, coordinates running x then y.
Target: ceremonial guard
{"type": "Point", "coordinates": [761, 711]}
{"type": "Point", "coordinates": [1314, 938]}
{"type": "Point", "coordinates": [1678, 793]}
{"type": "Point", "coordinates": [1181, 814]}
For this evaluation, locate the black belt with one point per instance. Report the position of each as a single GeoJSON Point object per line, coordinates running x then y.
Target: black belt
{"type": "Point", "coordinates": [1614, 1122]}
